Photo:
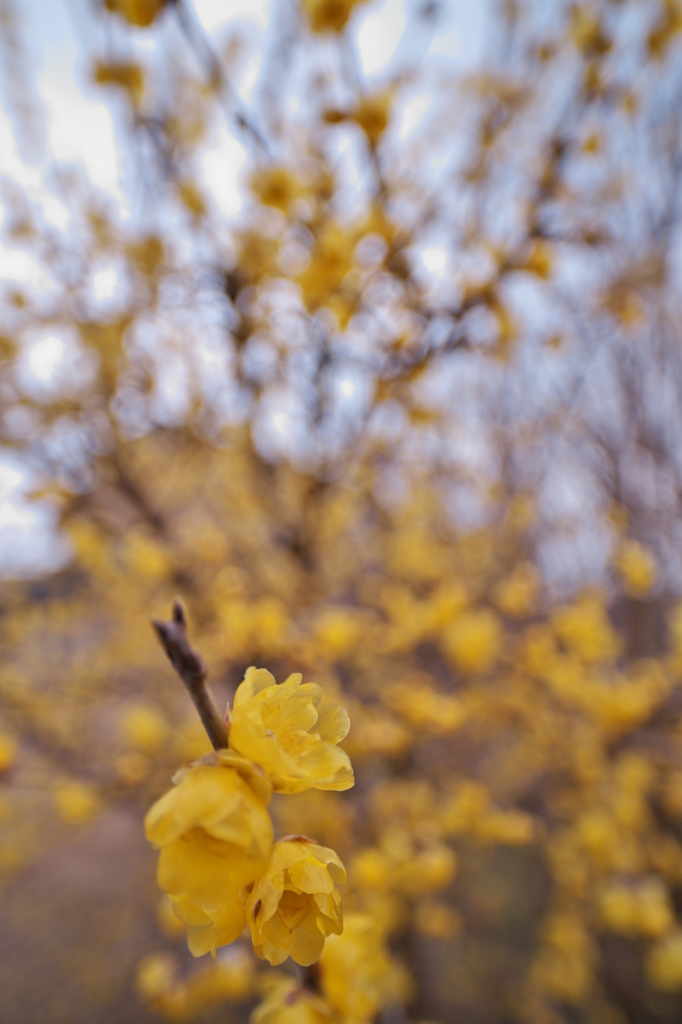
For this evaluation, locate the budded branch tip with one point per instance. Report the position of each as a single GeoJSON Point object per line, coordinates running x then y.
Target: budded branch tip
{"type": "Point", "coordinates": [191, 668]}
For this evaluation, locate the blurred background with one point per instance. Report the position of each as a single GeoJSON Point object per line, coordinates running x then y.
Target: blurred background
{"type": "Point", "coordinates": [355, 324]}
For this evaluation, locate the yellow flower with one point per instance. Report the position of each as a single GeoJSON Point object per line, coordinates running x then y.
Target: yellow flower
{"type": "Point", "coordinates": [372, 115]}
{"type": "Point", "coordinates": [8, 751]}
{"type": "Point", "coordinates": [288, 1002]}
{"type": "Point", "coordinates": [160, 984]}
{"type": "Point", "coordinates": [637, 568]}
{"type": "Point", "coordinates": [641, 909]}
{"type": "Point", "coordinates": [664, 963]}
{"type": "Point", "coordinates": [360, 955]}
{"type": "Point", "coordinates": [289, 733]}
{"type": "Point", "coordinates": [473, 640]}
{"type": "Point", "coordinates": [144, 727]}
{"type": "Point", "coordinates": [123, 75]}
{"type": "Point", "coordinates": [424, 707]}
{"type": "Point", "coordinates": [215, 837]}
{"type": "Point", "coordinates": [76, 802]}
{"type": "Point", "coordinates": [331, 261]}
{"type": "Point", "coordinates": [516, 594]}
{"type": "Point", "coordinates": [296, 904]}
{"type": "Point", "coordinates": [585, 628]}
{"type": "Point", "coordinates": [329, 15]}
{"type": "Point", "coordinates": [276, 186]}
{"type": "Point", "coordinates": [140, 13]}
{"type": "Point", "coordinates": [438, 920]}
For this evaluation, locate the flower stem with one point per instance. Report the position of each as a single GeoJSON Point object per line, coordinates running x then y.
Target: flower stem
{"type": "Point", "coordinates": [192, 669]}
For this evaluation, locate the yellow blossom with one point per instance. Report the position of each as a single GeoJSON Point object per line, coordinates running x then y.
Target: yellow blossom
{"type": "Point", "coordinates": [76, 802]}
{"type": "Point", "coordinates": [296, 904]}
{"type": "Point", "coordinates": [360, 954]}
{"type": "Point", "coordinates": [290, 733]}
{"type": "Point", "coordinates": [329, 15]}
{"type": "Point", "coordinates": [640, 909]}
{"type": "Point", "coordinates": [585, 628]}
{"type": "Point", "coordinates": [516, 594]}
{"type": "Point", "coordinates": [191, 197]}
{"type": "Point", "coordinates": [288, 1002]}
{"type": "Point", "coordinates": [372, 115]}
{"type": "Point", "coordinates": [215, 836]}
{"type": "Point", "coordinates": [122, 74]}
{"type": "Point", "coordinates": [140, 13]}
{"type": "Point", "coordinates": [132, 768]}
{"type": "Point", "coordinates": [331, 260]}
{"type": "Point", "coordinates": [473, 641]}
{"type": "Point", "coordinates": [428, 871]}
{"type": "Point", "coordinates": [144, 727]}
{"type": "Point", "coordinates": [637, 568]}
{"type": "Point", "coordinates": [276, 186]}
{"type": "Point", "coordinates": [167, 920]}
{"type": "Point", "coordinates": [438, 920]}
{"type": "Point", "coordinates": [161, 986]}
{"type": "Point", "coordinates": [664, 963]}
{"type": "Point", "coordinates": [423, 706]}
{"type": "Point", "coordinates": [8, 751]}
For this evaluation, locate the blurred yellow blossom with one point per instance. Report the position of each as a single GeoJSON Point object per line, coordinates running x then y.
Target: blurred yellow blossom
{"type": "Point", "coordinates": [329, 15]}
{"type": "Point", "coordinates": [8, 751]}
{"type": "Point", "coordinates": [636, 567]}
{"type": "Point", "coordinates": [473, 641]}
{"type": "Point", "coordinates": [140, 13]}
{"type": "Point", "coordinates": [515, 594]}
{"type": "Point", "coordinates": [276, 186]}
{"type": "Point", "coordinates": [429, 870]}
{"type": "Point", "coordinates": [76, 802]}
{"type": "Point", "coordinates": [641, 908]}
{"type": "Point", "coordinates": [372, 115]}
{"type": "Point", "coordinates": [359, 953]}
{"type": "Point", "coordinates": [438, 920]}
{"type": "Point", "coordinates": [424, 707]}
{"type": "Point", "coordinates": [160, 984]}
{"type": "Point", "coordinates": [287, 1001]}
{"type": "Point", "coordinates": [144, 727]}
{"type": "Point", "coordinates": [122, 74]}
{"type": "Point", "coordinates": [132, 768]}
{"type": "Point", "coordinates": [584, 627]}
{"type": "Point", "coordinates": [664, 963]}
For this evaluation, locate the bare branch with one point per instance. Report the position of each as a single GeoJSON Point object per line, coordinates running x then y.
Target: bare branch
{"type": "Point", "coordinates": [192, 669]}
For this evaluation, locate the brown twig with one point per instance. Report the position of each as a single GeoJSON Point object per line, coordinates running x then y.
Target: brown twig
{"type": "Point", "coordinates": [192, 670]}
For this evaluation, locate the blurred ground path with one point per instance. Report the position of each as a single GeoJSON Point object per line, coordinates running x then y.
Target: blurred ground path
{"type": "Point", "coordinates": [73, 926]}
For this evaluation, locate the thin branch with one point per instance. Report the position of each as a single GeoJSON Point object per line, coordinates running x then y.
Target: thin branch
{"type": "Point", "coordinates": [217, 76]}
{"type": "Point", "coordinates": [191, 668]}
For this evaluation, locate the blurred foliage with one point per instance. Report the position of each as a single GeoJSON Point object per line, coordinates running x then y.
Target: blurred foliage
{"type": "Point", "coordinates": [409, 424]}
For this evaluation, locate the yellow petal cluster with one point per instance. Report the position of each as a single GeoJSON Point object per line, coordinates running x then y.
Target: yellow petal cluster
{"type": "Point", "coordinates": [636, 568]}
{"type": "Point", "coordinates": [8, 751]}
{"type": "Point", "coordinates": [329, 15]}
{"type": "Point", "coordinates": [290, 733]}
{"type": "Point", "coordinates": [140, 13]}
{"type": "Point", "coordinates": [360, 953]}
{"type": "Point", "coordinates": [276, 186]}
{"type": "Point", "coordinates": [372, 114]}
{"type": "Point", "coordinates": [295, 905]}
{"type": "Point", "coordinates": [215, 836]}
{"type": "Point", "coordinates": [664, 963]}
{"type": "Point", "coordinates": [288, 1002]}
{"type": "Point", "coordinates": [162, 987]}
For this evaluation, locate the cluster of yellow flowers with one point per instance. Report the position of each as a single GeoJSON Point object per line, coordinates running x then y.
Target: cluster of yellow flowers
{"type": "Point", "coordinates": [218, 862]}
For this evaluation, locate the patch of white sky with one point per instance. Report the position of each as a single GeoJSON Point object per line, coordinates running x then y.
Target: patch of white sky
{"type": "Point", "coordinates": [84, 127]}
